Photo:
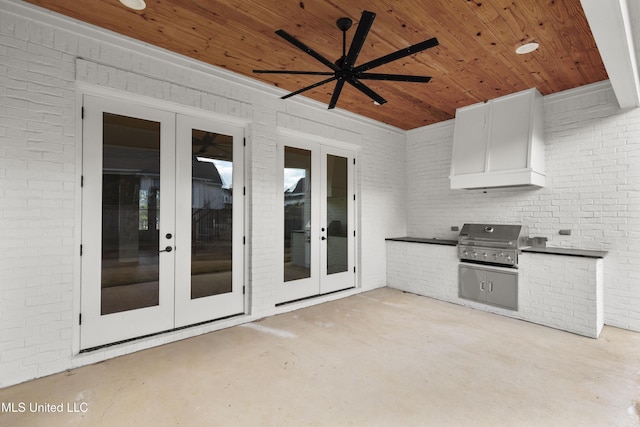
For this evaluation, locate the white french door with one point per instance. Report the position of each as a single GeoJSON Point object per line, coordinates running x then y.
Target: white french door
{"type": "Point", "coordinates": [209, 221]}
{"type": "Point", "coordinates": [317, 239]}
{"type": "Point", "coordinates": [161, 224]}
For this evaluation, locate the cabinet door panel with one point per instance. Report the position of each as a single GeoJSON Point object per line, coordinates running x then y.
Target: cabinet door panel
{"type": "Point", "coordinates": [502, 289]}
{"type": "Point", "coordinates": [510, 132]}
{"type": "Point", "coordinates": [472, 283]}
{"type": "Point", "coordinates": [470, 147]}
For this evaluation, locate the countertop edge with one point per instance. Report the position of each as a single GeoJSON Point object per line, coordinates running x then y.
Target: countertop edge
{"type": "Point", "coordinates": [444, 242]}
{"type": "Point", "coordinates": [584, 253]}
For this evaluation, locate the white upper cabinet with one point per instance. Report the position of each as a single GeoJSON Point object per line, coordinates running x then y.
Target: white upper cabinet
{"type": "Point", "coordinates": [499, 143]}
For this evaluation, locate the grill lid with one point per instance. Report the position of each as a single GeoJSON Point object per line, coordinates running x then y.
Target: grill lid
{"type": "Point", "coordinates": [511, 235]}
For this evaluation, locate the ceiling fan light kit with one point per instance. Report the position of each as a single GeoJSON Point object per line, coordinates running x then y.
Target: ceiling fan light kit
{"type": "Point", "coordinates": [344, 69]}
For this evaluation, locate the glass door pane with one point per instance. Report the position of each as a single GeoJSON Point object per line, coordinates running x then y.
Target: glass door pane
{"type": "Point", "coordinates": [338, 245]}
{"type": "Point", "coordinates": [209, 220]}
{"type": "Point", "coordinates": [211, 213]}
{"type": "Point", "coordinates": [130, 213]}
{"type": "Point", "coordinates": [337, 211]}
{"type": "Point", "coordinates": [297, 214]}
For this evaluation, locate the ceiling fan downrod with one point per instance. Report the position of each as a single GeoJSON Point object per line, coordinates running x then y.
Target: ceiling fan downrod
{"type": "Point", "coordinates": [343, 25]}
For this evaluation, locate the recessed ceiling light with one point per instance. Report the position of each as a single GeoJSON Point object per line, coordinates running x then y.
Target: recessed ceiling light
{"type": "Point", "coordinates": [134, 4]}
{"type": "Point", "coordinates": [376, 103]}
{"type": "Point", "coordinates": [527, 48]}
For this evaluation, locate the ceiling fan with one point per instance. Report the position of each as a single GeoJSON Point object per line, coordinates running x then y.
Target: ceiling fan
{"type": "Point", "coordinates": [344, 69]}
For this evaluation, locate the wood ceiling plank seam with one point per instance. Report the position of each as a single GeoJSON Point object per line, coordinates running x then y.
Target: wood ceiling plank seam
{"type": "Point", "coordinates": [582, 62]}
{"type": "Point", "coordinates": [413, 104]}
{"type": "Point", "coordinates": [519, 75]}
{"type": "Point", "coordinates": [467, 69]}
{"type": "Point", "coordinates": [439, 55]}
{"type": "Point", "coordinates": [502, 31]}
{"type": "Point", "coordinates": [551, 64]}
{"type": "Point", "coordinates": [577, 33]}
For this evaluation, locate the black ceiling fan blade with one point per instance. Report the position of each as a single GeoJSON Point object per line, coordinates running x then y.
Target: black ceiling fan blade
{"type": "Point", "coordinates": [394, 77]}
{"type": "Point", "coordinates": [366, 21]}
{"type": "Point", "coordinates": [288, 37]}
{"type": "Point", "coordinates": [367, 91]}
{"type": "Point", "coordinates": [418, 47]}
{"type": "Point", "coordinates": [311, 73]}
{"type": "Point", "coordinates": [336, 94]}
{"type": "Point", "coordinates": [309, 87]}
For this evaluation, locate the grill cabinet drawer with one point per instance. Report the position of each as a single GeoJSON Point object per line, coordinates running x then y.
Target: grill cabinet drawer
{"type": "Point", "coordinates": [493, 286]}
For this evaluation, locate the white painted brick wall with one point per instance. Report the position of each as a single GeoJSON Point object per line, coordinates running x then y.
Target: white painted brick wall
{"type": "Point", "coordinates": [593, 189]}
{"type": "Point", "coordinates": [39, 176]}
{"type": "Point", "coordinates": [562, 292]}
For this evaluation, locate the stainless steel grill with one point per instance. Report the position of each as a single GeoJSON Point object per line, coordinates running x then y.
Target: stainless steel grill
{"type": "Point", "coordinates": [491, 244]}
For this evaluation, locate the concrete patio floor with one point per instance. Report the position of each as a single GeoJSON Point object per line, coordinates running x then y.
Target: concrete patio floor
{"type": "Point", "coordinates": [381, 358]}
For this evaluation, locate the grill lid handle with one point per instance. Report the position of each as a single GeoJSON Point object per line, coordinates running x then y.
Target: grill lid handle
{"type": "Point", "coordinates": [488, 229]}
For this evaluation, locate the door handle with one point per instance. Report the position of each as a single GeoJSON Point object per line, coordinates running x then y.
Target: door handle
{"type": "Point", "coordinates": [482, 285]}
{"type": "Point", "coordinates": [167, 249]}
{"type": "Point", "coordinates": [490, 286]}
{"type": "Point", "coordinates": [323, 238]}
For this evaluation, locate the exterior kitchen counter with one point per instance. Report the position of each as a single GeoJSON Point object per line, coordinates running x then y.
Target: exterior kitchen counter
{"type": "Point", "coordinates": [555, 290]}
{"type": "Point", "coordinates": [432, 241]}
{"type": "Point", "coordinates": [567, 251]}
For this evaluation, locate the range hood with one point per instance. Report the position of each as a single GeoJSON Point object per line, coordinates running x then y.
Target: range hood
{"type": "Point", "coordinates": [499, 143]}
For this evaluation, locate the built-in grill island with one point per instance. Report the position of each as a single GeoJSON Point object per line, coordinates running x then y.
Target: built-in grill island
{"type": "Point", "coordinates": [488, 270]}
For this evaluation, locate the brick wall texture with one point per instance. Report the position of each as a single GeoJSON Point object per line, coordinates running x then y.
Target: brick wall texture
{"type": "Point", "coordinates": [592, 168]}
{"type": "Point", "coordinates": [563, 292]}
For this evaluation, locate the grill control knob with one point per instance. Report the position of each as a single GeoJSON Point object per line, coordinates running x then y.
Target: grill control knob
{"type": "Point", "coordinates": [465, 252]}
{"type": "Point", "coordinates": [484, 255]}
{"type": "Point", "coordinates": [509, 259]}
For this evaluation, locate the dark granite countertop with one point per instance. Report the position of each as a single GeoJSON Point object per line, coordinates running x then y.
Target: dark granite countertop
{"type": "Point", "coordinates": [587, 253]}
{"type": "Point", "coordinates": [431, 241]}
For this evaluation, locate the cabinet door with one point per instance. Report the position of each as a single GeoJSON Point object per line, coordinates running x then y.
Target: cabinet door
{"type": "Point", "coordinates": [502, 289]}
{"type": "Point", "coordinates": [472, 283]}
{"type": "Point", "coordinates": [470, 142]}
{"type": "Point", "coordinates": [510, 132]}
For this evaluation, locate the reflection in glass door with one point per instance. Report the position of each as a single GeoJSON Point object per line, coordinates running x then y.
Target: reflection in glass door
{"type": "Point", "coordinates": [337, 244]}
{"type": "Point", "coordinates": [130, 214]}
{"type": "Point", "coordinates": [297, 214]}
{"type": "Point", "coordinates": [318, 219]}
{"type": "Point", "coordinates": [209, 215]}
{"type": "Point", "coordinates": [337, 214]}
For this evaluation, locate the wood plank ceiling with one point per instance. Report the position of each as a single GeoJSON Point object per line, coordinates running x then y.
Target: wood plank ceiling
{"type": "Point", "coordinates": [474, 62]}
